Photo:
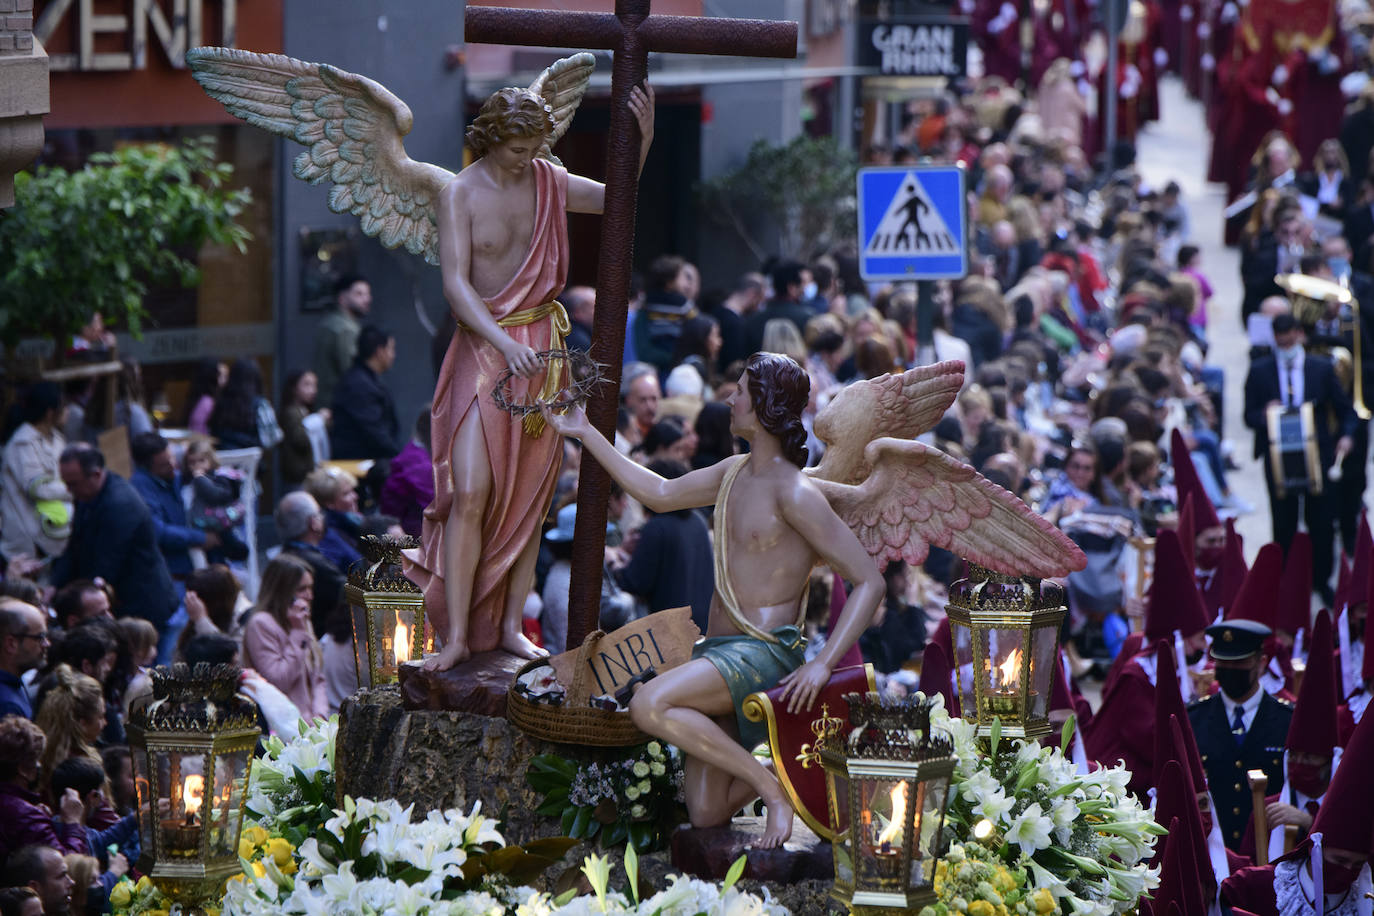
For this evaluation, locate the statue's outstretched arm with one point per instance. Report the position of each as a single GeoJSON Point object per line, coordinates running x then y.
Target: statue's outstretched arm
{"type": "Point", "coordinates": [697, 488]}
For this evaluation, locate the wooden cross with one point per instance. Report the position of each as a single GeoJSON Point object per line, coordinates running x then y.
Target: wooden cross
{"type": "Point", "coordinates": [631, 33]}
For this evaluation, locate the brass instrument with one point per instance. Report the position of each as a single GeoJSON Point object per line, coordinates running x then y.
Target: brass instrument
{"type": "Point", "coordinates": [1310, 296]}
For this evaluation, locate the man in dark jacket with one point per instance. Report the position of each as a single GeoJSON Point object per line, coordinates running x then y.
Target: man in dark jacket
{"type": "Point", "coordinates": [365, 424]}
{"type": "Point", "coordinates": [113, 538]}
{"type": "Point", "coordinates": [156, 480]}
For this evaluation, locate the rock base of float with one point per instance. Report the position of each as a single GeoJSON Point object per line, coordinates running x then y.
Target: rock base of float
{"type": "Point", "coordinates": [435, 759]}
{"type": "Point", "coordinates": [478, 685]}
{"type": "Point", "coordinates": [439, 759]}
{"type": "Point", "coordinates": [799, 874]}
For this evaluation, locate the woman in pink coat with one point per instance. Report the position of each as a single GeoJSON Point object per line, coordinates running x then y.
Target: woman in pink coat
{"type": "Point", "coordinates": [278, 640]}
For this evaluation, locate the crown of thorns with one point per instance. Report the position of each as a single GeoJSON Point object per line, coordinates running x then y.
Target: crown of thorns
{"type": "Point", "coordinates": [581, 373]}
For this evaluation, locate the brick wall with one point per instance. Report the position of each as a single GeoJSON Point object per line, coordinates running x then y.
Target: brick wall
{"type": "Point", "coordinates": [16, 26]}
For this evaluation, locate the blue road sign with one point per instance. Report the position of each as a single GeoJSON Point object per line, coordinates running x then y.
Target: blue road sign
{"type": "Point", "coordinates": [913, 223]}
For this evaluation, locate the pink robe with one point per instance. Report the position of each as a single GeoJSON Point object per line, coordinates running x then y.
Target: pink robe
{"type": "Point", "coordinates": [524, 469]}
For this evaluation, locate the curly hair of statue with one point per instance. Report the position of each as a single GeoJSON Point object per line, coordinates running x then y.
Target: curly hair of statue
{"type": "Point", "coordinates": [584, 375]}
{"type": "Point", "coordinates": [779, 390]}
{"type": "Point", "coordinates": [569, 724]}
{"type": "Point", "coordinates": [509, 113]}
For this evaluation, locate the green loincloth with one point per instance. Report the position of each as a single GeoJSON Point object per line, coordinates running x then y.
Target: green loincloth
{"type": "Point", "coordinates": [750, 665]}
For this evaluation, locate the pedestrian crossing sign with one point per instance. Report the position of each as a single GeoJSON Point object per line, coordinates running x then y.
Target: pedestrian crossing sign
{"type": "Point", "coordinates": [913, 223]}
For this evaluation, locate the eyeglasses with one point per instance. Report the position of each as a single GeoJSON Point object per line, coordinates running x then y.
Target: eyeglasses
{"type": "Point", "coordinates": [41, 637]}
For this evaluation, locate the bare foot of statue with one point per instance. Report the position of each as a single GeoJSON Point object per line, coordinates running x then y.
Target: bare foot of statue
{"type": "Point", "coordinates": [451, 654]}
{"type": "Point", "coordinates": [517, 644]}
{"type": "Point", "coordinates": [778, 827]}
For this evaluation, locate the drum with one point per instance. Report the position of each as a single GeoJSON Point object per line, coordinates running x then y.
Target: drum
{"type": "Point", "coordinates": [1293, 456]}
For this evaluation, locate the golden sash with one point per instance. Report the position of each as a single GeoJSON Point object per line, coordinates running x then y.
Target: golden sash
{"type": "Point", "coordinates": [533, 423]}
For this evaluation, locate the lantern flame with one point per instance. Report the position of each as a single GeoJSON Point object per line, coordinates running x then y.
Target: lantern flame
{"type": "Point", "coordinates": [898, 821]}
{"type": "Point", "coordinates": [1010, 669]}
{"type": "Point", "coordinates": [192, 792]}
{"type": "Point", "coordinates": [400, 642]}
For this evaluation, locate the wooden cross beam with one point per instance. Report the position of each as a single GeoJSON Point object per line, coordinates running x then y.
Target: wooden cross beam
{"type": "Point", "coordinates": [631, 32]}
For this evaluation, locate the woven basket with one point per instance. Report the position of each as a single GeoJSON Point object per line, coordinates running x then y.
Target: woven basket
{"type": "Point", "coordinates": [574, 722]}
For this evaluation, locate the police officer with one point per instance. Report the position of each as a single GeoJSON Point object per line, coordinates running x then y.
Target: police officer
{"type": "Point", "coordinates": [1241, 727]}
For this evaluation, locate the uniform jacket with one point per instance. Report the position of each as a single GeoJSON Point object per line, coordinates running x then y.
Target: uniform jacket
{"type": "Point", "coordinates": [1226, 762]}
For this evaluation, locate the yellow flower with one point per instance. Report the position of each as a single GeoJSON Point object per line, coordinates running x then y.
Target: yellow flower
{"type": "Point", "coordinates": [254, 835]}
{"type": "Point", "coordinates": [980, 908]}
{"type": "Point", "coordinates": [259, 869]}
{"type": "Point", "coordinates": [143, 884]}
{"type": "Point", "coordinates": [246, 848]}
{"type": "Point", "coordinates": [280, 849]}
{"type": "Point", "coordinates": [1044, 902]}
{"type": "Point", "coordinates": [156, 913]}
{"type": "Point", "coordinates": [289, 868]}
{"type": "Point", "coordinates": [121, 894]}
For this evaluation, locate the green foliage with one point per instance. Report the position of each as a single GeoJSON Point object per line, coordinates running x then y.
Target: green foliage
{"type": "Point", "coordinates": [804, 189]}
{"type": "Point", "coordinates": [633, 800]}
{"type": "Point", "coordinates": [97, 239]}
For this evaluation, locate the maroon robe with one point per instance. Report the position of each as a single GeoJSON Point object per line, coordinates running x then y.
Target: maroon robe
{"type": "Point", "coordinates": [1251, 889]}
{"type": "Point", "coordinates": [1123, 728]}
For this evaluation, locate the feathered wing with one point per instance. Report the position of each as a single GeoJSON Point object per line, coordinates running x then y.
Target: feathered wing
{"type": "Point", "coordinates": [917, 497]}
{"type": "Point", "coordinates": [352, 128]}
{"type": "Point", "coordinates": [901, 406]}
{"type": "Point", "coordinates": [562, 85]}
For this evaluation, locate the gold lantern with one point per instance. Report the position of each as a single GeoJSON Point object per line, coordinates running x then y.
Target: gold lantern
{"type": "Point", "coordinates": [192, 746]}
{"type": "Point", "coordinates": [388, 612]}
{"type": "Point", "coordinates": [1005, 631]}
{"type": "Point", "coordinates": [888, 780]}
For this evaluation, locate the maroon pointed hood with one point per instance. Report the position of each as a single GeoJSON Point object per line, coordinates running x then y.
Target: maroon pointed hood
{"type": "Point", "coordinates": [1258, 597]}
{"type": "Point", "coordinates": [1187, 483]}
{"type": "Point", "coordinates": [1169, 705]}
{"type": "Point", "coordinates": [1347, 809]}
{"type": "Point", "coordinates": [1314, 728]}
{"type": "Point", "coordinates": [1173, 602]}
{"type": "Point", "coordinates": [1230, 574]}
{"type": "Point", "coordinates": [1295, 589]}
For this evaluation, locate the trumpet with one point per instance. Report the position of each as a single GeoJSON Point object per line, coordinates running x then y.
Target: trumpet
{"type": "Point", "coordinates": [1310, 296]}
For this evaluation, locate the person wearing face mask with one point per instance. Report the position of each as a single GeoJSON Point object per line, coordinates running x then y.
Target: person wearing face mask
{"type": "Point", "coordinates": [1208, 543]}
{"type": "Point", "coordinates": [1289, 378]}
{"type": "Point", "coordinates": [1123, 727]}
{"type": "Point", "coordinates": [1240, 728]}
{"type": "Point", "coordinates": [1310, 750]}
{"type": "Point", "coordinates": [1329, 871]}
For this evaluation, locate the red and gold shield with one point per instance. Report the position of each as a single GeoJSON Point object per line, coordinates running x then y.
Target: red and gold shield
{"type": "Point", "coordinates": [792, 740]}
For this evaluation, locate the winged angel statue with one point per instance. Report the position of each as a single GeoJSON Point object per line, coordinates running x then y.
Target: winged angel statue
{"type": "Point", "coordinates": [876, 496]}
{"type": "Point", "coordinates": [498, 233]}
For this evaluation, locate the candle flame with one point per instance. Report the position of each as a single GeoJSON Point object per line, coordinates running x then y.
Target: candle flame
{"type": "Point", "coordinates": [1010, 669]}
{"type": "Point", "coordinates": [400, 643]}
{"type": "Point", "coordinates": [898, 821]}
{"type": "Point", "coordinates": [192, 792]}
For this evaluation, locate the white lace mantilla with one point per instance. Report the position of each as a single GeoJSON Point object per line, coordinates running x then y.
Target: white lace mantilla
{"type": "Point", "coordinates": [1292, 894]}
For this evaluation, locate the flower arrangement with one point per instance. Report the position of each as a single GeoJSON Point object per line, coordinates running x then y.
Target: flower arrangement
{"type": "Point", "coordinates": [1080, 837]}
{"type": "Point", "coordinates": [291, 788]}
{"type": "Point", "coordinates": [973, 879]}
{"type": "Point", "coordinates": [636, 799]}
{"type": "Point", "coordinates": [302, 857]}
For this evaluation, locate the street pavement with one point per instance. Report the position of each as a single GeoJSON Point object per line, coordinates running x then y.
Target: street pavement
{"type": "Point", "coordinates": [1176, 148]}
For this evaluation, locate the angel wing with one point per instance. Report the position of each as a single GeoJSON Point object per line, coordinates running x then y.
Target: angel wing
{"type": "Point", "coordinates": [352, 127]}
{"type": "Point", "coordinates": [562, 85]}
{"type": "Point", "coordinates": [901, 406]}
{"type": "Point", "coordinates": [918, 496]}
